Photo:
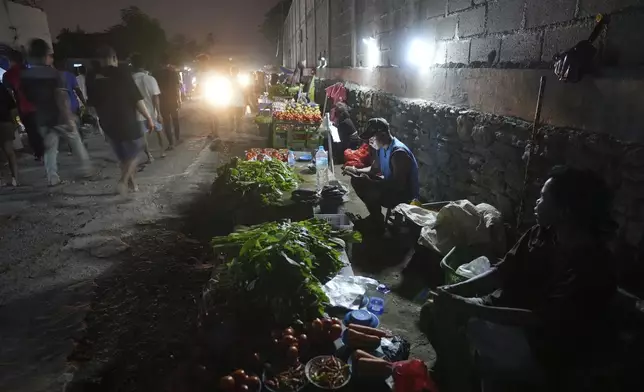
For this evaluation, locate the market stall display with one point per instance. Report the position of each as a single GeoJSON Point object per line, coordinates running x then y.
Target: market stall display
{"type": "Point", "coordinates": [252, 183]}
{"type": "Point", "coordinates": [277, 269]}
{"type": "Point", "coordinates": [261, 154]}
{"type": "Point", "coordinates": [295, 125]}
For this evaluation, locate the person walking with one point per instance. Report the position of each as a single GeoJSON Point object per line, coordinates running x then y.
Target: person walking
{"type": "Point", "coordinates": [117, 100]}
{"type": "Point", "coordinates": [45, 87]}
{"type": "Point", "coordinates": [77, 98]}
{"type": "Point", "coordinates": [170, 86]}
{"type": "Point", "coordinates": [8, 115]}
{"type": "Point", "coordinates": [26, 110]}
{"type": "Point", "coordinates": [149, 89]}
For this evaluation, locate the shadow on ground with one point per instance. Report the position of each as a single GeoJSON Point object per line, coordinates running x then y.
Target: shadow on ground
{"type": "Point", "coordinates": [143, 328]}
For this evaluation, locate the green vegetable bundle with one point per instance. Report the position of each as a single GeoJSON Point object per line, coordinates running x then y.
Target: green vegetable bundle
{"type": "Point", "coordinates": [253, 182]}
{"type": "Point", "coordinates": [278, 268]}
{"type": "Point", "coordinates": [278, 90]}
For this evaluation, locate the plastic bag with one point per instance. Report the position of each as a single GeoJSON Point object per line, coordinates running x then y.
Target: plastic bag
{"type": "Point", "coordinates": [395, 349]}
{"type": "Point", "coordinates": [474, 268]}
{"type": "Point", "coordinates": [412, 376]}
{"type": "Point", "coordinates": [357, 158]}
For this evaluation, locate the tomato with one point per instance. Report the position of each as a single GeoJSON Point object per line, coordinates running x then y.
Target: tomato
{"type": "Point", "coordinates": [336, 321]}
{"type": "Point", "coordinates": [243, 388]}
{"type": "Point", "coordinates": [289, 331]}
{"type": "Point", "coordinates": [327, 324]}
{"type": "Point", "coordinates": [317, 325]}
{"type": "Point", "coordinates": [303, 340]}
{"type": "Point", "coordinates": [239, 375]}
{"type": "Point", "coordinates": [292, 354]}
{"type": "Point", "coordinates": [253, 383]}
{"type": "Point", "coordinates": [335, 331]}
{"type": "Point", "coordinates": [227, 384]}
{"type": "Point", "coordinates": [289, 340]}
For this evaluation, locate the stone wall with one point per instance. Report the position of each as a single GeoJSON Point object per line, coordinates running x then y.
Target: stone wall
{"type": "Point", "coordinates": [468, 118]}
{"type": "Point", "coordinates": [466, 154]}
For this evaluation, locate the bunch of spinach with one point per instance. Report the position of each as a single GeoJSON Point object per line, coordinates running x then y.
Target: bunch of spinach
{"type": "Point", "coordinates": [278, 269]}
{"type": "Point", "coordinates": [253, 182]}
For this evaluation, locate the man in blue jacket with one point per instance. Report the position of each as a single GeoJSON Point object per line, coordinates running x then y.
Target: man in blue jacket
{"type": "Point", "coordinates": [391, 179]}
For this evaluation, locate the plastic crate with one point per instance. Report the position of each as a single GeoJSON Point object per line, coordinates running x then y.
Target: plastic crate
{"type": "Point", "coordinates": [279, 139]}
{"type": "Point", "coordinates": [337, 221]}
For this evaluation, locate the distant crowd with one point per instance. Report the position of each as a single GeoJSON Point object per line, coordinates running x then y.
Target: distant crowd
{"type": "Point", "coordinates": [125, 105]}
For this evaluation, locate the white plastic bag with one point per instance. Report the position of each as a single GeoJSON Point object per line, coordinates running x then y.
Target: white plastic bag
{"type": "Point", "coordinates": [474, 268]}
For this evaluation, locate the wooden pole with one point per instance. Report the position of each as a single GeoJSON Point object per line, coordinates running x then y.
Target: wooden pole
{"type": "Point", "coordinates": [533, 149]}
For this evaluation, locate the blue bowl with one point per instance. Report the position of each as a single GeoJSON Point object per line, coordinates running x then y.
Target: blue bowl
{"type": "Point", "coordinates": [362, 317]}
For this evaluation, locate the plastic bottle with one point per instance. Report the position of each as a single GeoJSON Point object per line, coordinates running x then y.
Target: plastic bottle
{"type": "Point", "coordinates": [376, 304]}
{"type": "Point", "coordinates": [321, 168]}
{"type": "Point", "coordinates": [291, 159]}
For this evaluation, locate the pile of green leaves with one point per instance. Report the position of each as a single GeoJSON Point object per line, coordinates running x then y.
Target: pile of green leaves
{"type": "Point", "coordinates": [278, 269]}
{"type": "Point", "coordinates": [260, 183]}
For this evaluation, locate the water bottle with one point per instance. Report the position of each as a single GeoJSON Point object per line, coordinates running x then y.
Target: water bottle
{"type": "Point", "coordinates": [321, 168]}
{"type": "Point", "coordinates": [291, 159]}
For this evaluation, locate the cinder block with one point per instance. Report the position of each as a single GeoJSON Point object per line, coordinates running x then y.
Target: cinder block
{"type": "Point", "coordinates": [458, 52]}
{"type": "Point", "coordinates": [441, 53]}
{"type": "Point", "coordinates": [559, 40]}
{"type": "Point", "coordinates": [445, 27]}
{"type": "Point", "coordinates": [481, 48]}
{"type": "Point", "coordinates": [432, 8]}
{"type": "Point", "coordinates": [458, 5]}
{"type": "Point", "coordinates": [521, 48]}
{"type": "Point", "coordinates": [471, 22]}
{"type": "Point", "coordinates": [504, 15]}
{"type": "Point", "coordinates": [541, 13]}
{"type": "Point", "coordinates": [593, 7]}
{"type": "Point", "coordinates": [625, 36]}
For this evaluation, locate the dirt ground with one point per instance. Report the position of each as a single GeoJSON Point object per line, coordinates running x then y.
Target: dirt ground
{"type": "Point", "coordinates": [110, 292]}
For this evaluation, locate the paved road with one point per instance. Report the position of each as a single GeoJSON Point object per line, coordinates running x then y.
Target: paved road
{"type": "Point", "coordinates": [56, 242]}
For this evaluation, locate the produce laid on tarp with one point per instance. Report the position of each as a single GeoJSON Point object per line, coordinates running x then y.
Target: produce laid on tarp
{"type": "Point", "coordinates": [277, 269]}
{"type": "Point", "coordinates": [244, 183]}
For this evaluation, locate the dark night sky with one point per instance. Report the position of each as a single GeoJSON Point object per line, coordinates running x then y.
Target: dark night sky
{"type": "Point", "coordinates": [233, 22]}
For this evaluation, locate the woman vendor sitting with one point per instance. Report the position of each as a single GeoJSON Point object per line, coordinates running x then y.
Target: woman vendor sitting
{"type": "Point", "coordinates": [556, 286]}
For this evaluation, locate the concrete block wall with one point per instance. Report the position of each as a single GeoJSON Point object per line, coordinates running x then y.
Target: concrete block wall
{"type": "Point", "coordinates": [468, 124]}
{"type": "Point", "coordinates": [524, 32]}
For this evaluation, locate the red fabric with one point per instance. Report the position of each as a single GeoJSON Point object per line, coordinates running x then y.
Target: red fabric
{"type": "Point", "coordinates": [12, 76]}
{"type": "Point", "coordinates": [337, 93]}
{"type": "Point", "coordinates": [412, 376]}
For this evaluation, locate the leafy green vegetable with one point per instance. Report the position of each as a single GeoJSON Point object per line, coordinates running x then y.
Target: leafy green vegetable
{"type": "Point", "coordinates": [278, 268]}
{"type": "Point", "coordinates": [241, 182]}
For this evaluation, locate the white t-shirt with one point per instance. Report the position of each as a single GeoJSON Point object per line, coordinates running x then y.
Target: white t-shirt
{"type": "Point", "coordinates": [82, 85]}
{"type": "Point", "coordinates": [148, 87]}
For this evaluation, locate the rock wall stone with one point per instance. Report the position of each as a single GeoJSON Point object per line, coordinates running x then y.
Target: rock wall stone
{"type": "Point", "coordinates": [481, 157]}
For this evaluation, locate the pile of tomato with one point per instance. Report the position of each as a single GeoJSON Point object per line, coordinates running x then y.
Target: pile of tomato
{"type": "Point", "coordinates": [259, 154]}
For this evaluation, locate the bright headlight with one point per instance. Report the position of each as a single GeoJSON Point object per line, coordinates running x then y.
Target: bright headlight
{"type": "Point", "coordinates": [243, 79]}
{"type": "Point", "coordinates": [217, 90]}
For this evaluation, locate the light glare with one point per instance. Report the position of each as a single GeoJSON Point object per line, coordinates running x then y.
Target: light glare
{"type": "Point", "coordinates": [421, 54]}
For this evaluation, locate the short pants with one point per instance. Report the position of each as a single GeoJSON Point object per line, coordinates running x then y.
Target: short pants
{"type": "Point", "coordinates": [128, 150]}
{"type": "Point", "coordinates": [7, 132]}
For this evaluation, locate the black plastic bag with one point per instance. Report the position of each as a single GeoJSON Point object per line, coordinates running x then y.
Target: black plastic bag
{"type": "Point", "coordinates": [395, 349]}
{"type": "Point", "coordinates": [571, 65]}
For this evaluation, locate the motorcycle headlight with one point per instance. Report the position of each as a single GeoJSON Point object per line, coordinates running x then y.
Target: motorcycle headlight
{"type": "Point", "coordinates": [217, 90]}
{"type": "Point", "coordinates": [244, 80]}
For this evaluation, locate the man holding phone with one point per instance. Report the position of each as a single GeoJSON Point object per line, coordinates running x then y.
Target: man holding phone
{"type": "Point", "coordinates": [391, 179]}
